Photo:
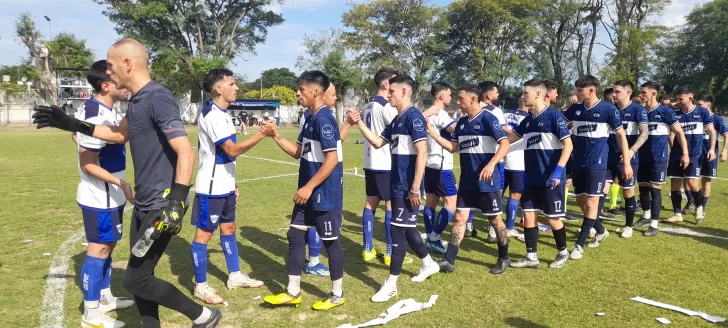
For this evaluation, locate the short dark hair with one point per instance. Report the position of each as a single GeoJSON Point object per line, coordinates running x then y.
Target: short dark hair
{"type": "Point", "coordinates": [438, 87]}
{"type": "Point", "coordinates": [383, 74]}
{"type": "Point", "coordinates": [486, 86]}
{"type": "Point", "coordinates": [97, 75]}
{"type": "Point", "coordinates": [707, 98]}
{"type": "Point", "coordinates": [213, 76]}
{"type": "Point", "coordinates": [684, 91]}
{"type": "Point", "coordinates": [587, 81]}
{"type": "Point", "coordinates": [665, 97]}
{"type": "Point", "coordinates": [608, 93]}
{"type": "Point", "coordinates": [651, 85]}
{"type": "Point", "coordinates": [404, 79]}
{"type": "Point", "coordinates": [471, 88]}
{"type": "Point", "coordinates": [550, 85]}
{"type": "Point", "coordinates": [316, 78]}
{"type": "Point", "coordinates": [535, 83]}
{"type": "Point", "coordinates": [625, 84]}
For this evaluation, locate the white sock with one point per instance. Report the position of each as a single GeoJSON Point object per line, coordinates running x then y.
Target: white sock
{"type": "Point", "coordinates": [433, 236]}
{"type": "Point", "coordinates": [653, 223]}
{"type": "Point", "coordinates": [234, 273]}
{"type": "Point", "coordinates": [648, 214]}
{"type": "Point", "coordinates": [678, 215]}
{"type": "Point", "coordinates": [469, 226]}
{"type": "Point", "coordinates": [491, 230]}
{"type": "Point", "coordinates": [91, 310]}
{"type": "Point", "coordinates": [200, 284]}
{"type": "Point", "coordinates": [313, 261]}
{"type": "Point", "coordinates": [428, 261]}
{"type": "Point", "coordinates": [563, 252]}
{"type": "Point", "coordinates": [294, 285]}
{"type": "Point", "coordinates": [206, 314]}
{"type": "Point", "coordinates": [533, 256]}
{"type": "Point", "coordinates": [337, 287]}
{"type": "Point", "coordinates": [392, 280]}
{"type": "Point", "coordinates": [106, 296]}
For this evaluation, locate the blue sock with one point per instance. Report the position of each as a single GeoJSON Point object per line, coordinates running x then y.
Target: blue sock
{"type": "Point", "coordinates": [511, 213]}
{"type": "Point", "coordinates": [443, 219]}
{"type": "Point", "coordinates": [92, 274]}
{"type": "Point", "coordinates": [106, 282]}
{"type": "Point", "coordinates": [429, 214]}
{"type": "Point", "coordinates": [471, 216]}
{"type": "Point", "coordinates": [314, 242]}
{"type": "Point", "coordinates": [230, 249]}
{"type": "Point", "coordinates": [387, 231]}
{"type": "Point", "coordinates": [199, 261]}
{"type": "Point", "coordinates": [367, 222]}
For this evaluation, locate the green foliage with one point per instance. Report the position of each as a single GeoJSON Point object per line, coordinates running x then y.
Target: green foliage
{"type": "Point", "coordinates": [342, 72]}
{"type": "Point", "coordinates": [276, 76]}
{"type": "Point", "coordinates": [183, 75]}
{"type": "Point", "coordinates": [282, 93]}
{"type": "Point", "coordinates": [69, 52]}
{"type": "Point", "coordinates": [17, 72]}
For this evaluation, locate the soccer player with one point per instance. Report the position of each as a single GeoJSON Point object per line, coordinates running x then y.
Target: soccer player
{"type": "Point", "coordinates": [163, 159]}
{"type": "Point", "coordinates": [101, 195]}
{"type": "Point", "coordinates": [608, 95]}
{"type": "Point", "coordinates": [710, 168]}
{"type": "Point", "coordinates": [217, 194]}
{"type": "Point", "coordinates": [573, 99]}
{"type": "Point", "coordinates": [406, 136]}
{"type": "Point", "coordinates": [514, 166]}
{"type": "Point", "coordinates": [243, 121]}
{"type": "Point", "coordinates": [548, 147]}
{"type": "Point", "coordinates": [634, 120]}
{"type": "Point", "coordinates": [319, 199]}
{"type": "Point", "coordinates": [591, 120]}
{"type": "Point", "coordinates": [489, 100]}
{"type": "Point", "coordinates": [665, 100]}
{"type": "Point", "coordinates": [609, 189]}
{"type": "Point", "coordinates": [653, 155]}
{"type": "Point", "coordinates": [476, 137]}
{"type": "Point", "coordinates": [695, 122]}
{"type": "Point", "coordinates": [439, 178]}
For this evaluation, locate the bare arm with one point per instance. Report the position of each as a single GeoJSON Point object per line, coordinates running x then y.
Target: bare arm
{"type": "Point", "coordinates": [671, 138]}
{"type": "Point", "coordinates": [375, 140]}
{"type": "Point", "coordinates": [325, 170]}
{"type": "Point", "coordinates": [724, 153]}
{"type": "Point", "coordinates": [487, 172]}
{"type": "Point", "coordinates": [644, 134]}
{"type": "Point", "coordinates": [677, 130]}
{"type": "Point", "coordinates": [566, 151]}
{"type": "Point", "coordinates": [451, 146]}
{"type": "Point", "coordinates": [287, 147]}
{"type": "Point", "coordinates": [185, 159]}
{"type": "Point", "coordinates": [512, 136]}
{"type": "Point", "coordinates": [74, 137]}
{"type": "Point", "coordinates": [710, 129]}
{"type": "Point", "coordinates": [421, 148]}
{"type": "Point", "coordinates": [623, 145]}
{"type": "Point", "coordinates": [87, 160]}
{"type": "Point", "coordinates": [344, 132]}
{"type": "Point", "coordinates": [115, 134]}
{"type": "Point", "coordinates": [232, 149]}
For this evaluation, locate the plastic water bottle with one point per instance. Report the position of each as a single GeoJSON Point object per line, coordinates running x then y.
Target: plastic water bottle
{"type": "Point", "coordinates": [143, 245]}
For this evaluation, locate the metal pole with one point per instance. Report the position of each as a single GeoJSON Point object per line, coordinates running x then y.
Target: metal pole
{"type": "Point", "coordinates": [261, 85]}
{"type": "Point", "coordinates": [50, 31]}
{"type": "Point", "coordinates": [30, 110]}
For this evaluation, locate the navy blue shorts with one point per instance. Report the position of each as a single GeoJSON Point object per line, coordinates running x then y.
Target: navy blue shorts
{"type": "Point", "coordinates": [208, 212]}
{"type": "Point", "coordinates": [489, 203]}
{"type": "Point", "coordinates": [549, 201]}
{"type": "Point", "coordinates": [377, 184]}
{"type": "Point", "coordinates": [589, 182]}
{"type": "Point", "coordinates": [103, 226]}
{"type": "Point", "coordinates": [440, 182]}
{"type": "Point", "coordinates": [403, 214]}
{"type": "Point", "coordinates": [709, 169]}
{"type": "Point", "coordinates": [514, 181]}
{"type": "Point", "coordinates": [327, 223]}
{"type": "Point", "coordinates": [616, 172]}
{"type": "Point", "coordinates": [674, 170]}
{"type": "Point", "coordinates": [652, 172]}
{"type": "Point", "coordinates": [501, 169]}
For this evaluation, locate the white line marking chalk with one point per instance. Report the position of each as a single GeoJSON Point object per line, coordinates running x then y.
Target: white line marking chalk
{"type": "Point", "coordinates": [51, 315]}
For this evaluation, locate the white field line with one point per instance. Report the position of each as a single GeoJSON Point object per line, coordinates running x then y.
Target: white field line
{"type": "Point", "coordinates": [688, 232]}
{"type": "Point", "coordinates": [292, 163]}
{"type": "Point", "coordinates": [51, 315]}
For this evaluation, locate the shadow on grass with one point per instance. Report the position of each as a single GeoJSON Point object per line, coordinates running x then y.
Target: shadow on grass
{"type": "Point", "coordinates": [523, 323]}
{"type": "Point", "coordinates": [180, 261]}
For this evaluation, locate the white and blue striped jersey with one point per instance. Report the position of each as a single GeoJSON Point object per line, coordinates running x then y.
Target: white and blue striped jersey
{"type": "Point", "coordinates": [542, 135]}
{"type": "Point", "coordinates": [407, 129]}
{"type": "Point", "coordinates": [721, 129]}
{"type": "Point", "coordinates": [591, 128]}
{"type": "Point", "coordinates": [633, 115]}
{"type": "Point", "coordinates": [378, 115]}
{"type": "Point", "coordinates": [660, 119]}
{"type": "Point", "coordinates": [216, 170]}
{"type": "Point", "coordinates": [437, 157]}
{"type": "Point", "coordinates": [92, 193]}
{"type": "Point", "coordinates": [514, 158]}
{"type": "Point", "coordinates": [693, 124]}
{"type": "Point", "coordinates": [477, 142]}
{"type": "Point", "coordinates": [319, 136]}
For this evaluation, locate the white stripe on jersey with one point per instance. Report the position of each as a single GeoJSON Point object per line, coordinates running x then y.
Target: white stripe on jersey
{"type": "Point", "coordinates": [439, 158]}
{"type": "Point", "coordinates": [315, 154]}
{"type": "Point", "coordinates": [658, 129]}
{"type": "Point", "coordinates": [477, 144]}
{"type": "Point", "coordinates": [542, 141]}
{"type": "Point", "coordinates": [402, 144]}
{"type": "Point", "coordinates": [590, 129]}
{"type": "Point", "coordinates": [689, 129]}
{"type": "Point", "coordinates": [377, 118]}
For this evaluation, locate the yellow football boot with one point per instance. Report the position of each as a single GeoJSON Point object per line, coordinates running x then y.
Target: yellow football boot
{"type": "Point", "coordinates": [283, 299]}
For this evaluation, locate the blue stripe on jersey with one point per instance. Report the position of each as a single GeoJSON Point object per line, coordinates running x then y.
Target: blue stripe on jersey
{"type": "Point", "coordinates": [221, 157]}
{"type": "Point", "coordinates": [112, 158]}
{"type": "Point", "coordinates": [591, 128]}
{"type": "Point", "coordinates": [721, 129]}
{"type": "Point", "coordinates": [478, 139]}
{"type": "Point", "coordinates": [693, 124]}
{"type": "Point", "coordinates": [91, 109]}
{"type": "Point", "coordinates": [514, 117]}
{"type": "Point", "coordinates": [380, 100]}
{"type": "Point", "coordinates": [320, 134]}
{"type": "Point", "coordinates": [542, 134]}
{"type": "Point", "coordinates": [405, 130]}
{"type": "Point", "coordinates": [632, 116]}
{"type": "Point", "coordinates": [660, 120]}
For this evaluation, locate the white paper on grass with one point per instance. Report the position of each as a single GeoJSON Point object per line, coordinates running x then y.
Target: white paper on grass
{"type": "Point", "coordinates": [395, 311]}
{"type": "Point", "coordinates": [691, 313]}
{"type": "Point", "coordinates": [663, 321]}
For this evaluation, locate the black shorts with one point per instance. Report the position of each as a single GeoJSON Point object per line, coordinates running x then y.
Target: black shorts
{"type": "Point", "coordinates": [489, 203]}
{"type": "Point", "coordinates": [104, 226]}
{"type": "Point", "coordinates": [514, 181]}
{"type": "Point", "coordinates": [589, 182]}
{"type": "Point", "coordinates": [674, 170]}
{"type": "Point", "coordinates": [616, 172]}
{"type": "Point", "coordinates": [709, 169]}
{"type": "Point", "coordinates": [327, 223]}
{"type": "Point", "coordinates": [652, 172]}
{"type": "Point", "coordinates": [440, 182]}
{"type": "Point", "coordinates": [209, 212]}
{"type": "Point", "coordinates": [549, 201]}
{"type": "Point", "coordinates": [403, 214]}
{"type": "Point", "coordinates": [377, 184]}
{"type": "Point", "coordinates": [568, 168]}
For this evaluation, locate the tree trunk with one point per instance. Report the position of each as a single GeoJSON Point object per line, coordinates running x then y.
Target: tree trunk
{"type": "Point", "coordinates": [340, 105]}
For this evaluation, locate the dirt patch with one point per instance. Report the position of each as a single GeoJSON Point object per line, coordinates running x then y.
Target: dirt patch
{"type": "Point", "coordinates": [119, 265]}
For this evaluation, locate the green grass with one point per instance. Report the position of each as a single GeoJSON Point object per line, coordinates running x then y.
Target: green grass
{"type": "Point", "coordinates": [38, 179]}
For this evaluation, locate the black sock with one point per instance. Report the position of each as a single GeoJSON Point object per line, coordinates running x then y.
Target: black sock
{"type": "Point", "coordinates": [296, 251]}
{"type": "Point", "coordinates": [415, 242]}
{"type": "Point", "coordinates": [586, 226]}
{"type": "Point", "coordinates": [560, 238]}
{"type": "Point", "coordinates": [452, 252]}
{"type": "Point", "coordinates": [689, 195]}
{"type": "Point", "coordinates": [399, 249]}
{"type": "Point", "coordinates": [630, 204]}
{"type": "Point", "coordinates": [656, 205]}
{"type": "Point", "coordinates": [503, 251]}
{"type": "Point", "coordinates": [336, 258]}
{"type": "Point", "coordinates": [698, 196]}
{"type": "Point", "coordinates": [645, 198]}
{"type": "Point", "coordinates": [598, 226]}
{"type": "Point", "coordinates": [705, 201]}
{"type": "Point", "coordinates": [531, 235]}
{"type": "Point", "coordinates": [676, 201]}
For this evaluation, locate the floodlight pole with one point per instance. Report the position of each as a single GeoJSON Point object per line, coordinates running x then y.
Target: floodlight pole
{"type": "Point", "coordinates": [50, 31]}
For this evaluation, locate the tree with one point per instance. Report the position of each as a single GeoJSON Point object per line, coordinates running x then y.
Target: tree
{"type": "Point", "coordinates": [559, 24]}
{"type": "Point", "coordinates": [284, 94]}
{"type": "Point", "coordinates": [17, 72]}
{"type": "Point", "coordinates": [589, 18]}
{"type": "Point", "coordinates": [276, 76]}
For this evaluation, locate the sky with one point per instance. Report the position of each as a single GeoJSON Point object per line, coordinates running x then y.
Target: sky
{"type": "Point", "coordinates": [84, 19]}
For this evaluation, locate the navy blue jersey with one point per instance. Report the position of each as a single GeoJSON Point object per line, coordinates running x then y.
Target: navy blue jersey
{"type": "Point", "coordinates": [720, 129]}
{"type": "Point", "coordinates": [477, 142]}
{"type": "Point", "coordinates": [402, 134]}
{"type": "Point", "coordinates": [591, 128]}
{"type": "Point", "coordinates": [632, 115]}
{"type": "Point", "coordinates": [660, 120]}
{"type": "Point", "coordinates": [542, 135]}
{"type": "Point", "coordinates": [693, 124]}
{"type": "Point", "coordinates": [319, 136]}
